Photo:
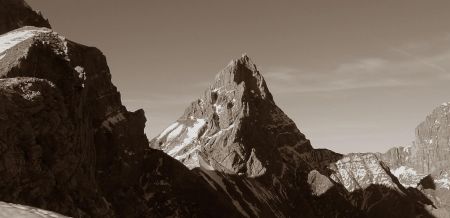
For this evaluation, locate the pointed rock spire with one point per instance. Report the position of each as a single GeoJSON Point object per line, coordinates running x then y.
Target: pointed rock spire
{"type": "Point", "coordinates": [235, 127]}
{"type": "Point", "coordinates": [242, 76]}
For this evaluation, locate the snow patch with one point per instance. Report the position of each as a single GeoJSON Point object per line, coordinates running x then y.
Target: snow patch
{"type": "Point", "coordinates": [13, 38]}
{"type": "Point", "coordinates": [16, 210]}
{"type": "Point", "coordinates": [443, 181]}
{"type": "Point", "coordinates": [193, 162]}
{"type": "Point", "coordinates": [167, 130]}
{"type": "Point", "coordinates": [407, 176]}
{"type": "Point", "coordinates": [360, 171]}
{"type": "Point", "coordinates": [191, 135]}
{"type": "Point", "coordinates": [218, 108]}
{"type": "Point", "coordinates": [194, 130]}
{"type": "Point", "coordinates": [176, 132]}
{"type": "Point", "coordinates": [81, 74]}
{"type": "Point", "coordinates": [403, 170]}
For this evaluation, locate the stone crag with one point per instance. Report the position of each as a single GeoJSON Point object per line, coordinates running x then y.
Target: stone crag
{"type": "Point", "coordinates": [67, 142]}
{"type": "Point", "coordinates": [244, 146]}
{"type": "Point", "coordinates": [69, 145]}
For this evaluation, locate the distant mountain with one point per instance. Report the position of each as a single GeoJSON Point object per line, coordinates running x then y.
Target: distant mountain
{"type": "Point", "coordinates": [239, 141]}
{"type": "Point", "coordinates": [430, 151]}
{"type": "Point", "coordinates": [235, 127]}
{"type": "Point", "coordinates": [426, 164]}
{"type": "Point", "coordinates": [243, 145]}
{"type": "Point", "coordinates": [69, 145]}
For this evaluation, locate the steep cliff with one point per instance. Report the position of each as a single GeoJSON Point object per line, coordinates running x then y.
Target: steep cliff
{"type": "Point", "coordinates": [430, 151]}
{"type": "Point", "coordinates": [425, 164]}
{"type": "Point", "coordinates": [15, 14]}
{"type": "Point", "coordinates": [70, 146]}
{"type": "Point", "coordinates": [245, 147]}
{"type": "Point", "coordinates": [239, 141]}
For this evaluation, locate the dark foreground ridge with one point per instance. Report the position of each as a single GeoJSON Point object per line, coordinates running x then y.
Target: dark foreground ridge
{"type": "Point", "coordinates": [16, 14]}
{"type": "Point", "coordinates": [67, 144]}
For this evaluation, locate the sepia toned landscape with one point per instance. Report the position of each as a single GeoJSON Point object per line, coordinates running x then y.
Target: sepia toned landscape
{"type": "Point", "coordinates": [157, 133]}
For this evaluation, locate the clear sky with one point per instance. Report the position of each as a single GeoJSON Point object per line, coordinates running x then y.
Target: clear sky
{"type": "Point", "coordinates": [354, 75]}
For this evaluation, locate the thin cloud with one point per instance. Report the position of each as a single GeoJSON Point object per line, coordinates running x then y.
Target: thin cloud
{"type": "Point", "coordinates": [283, 74]}
{"type": "Point", "coordinates": [423, 61]}
{"type": "Point", "coordinates": [404, 68]}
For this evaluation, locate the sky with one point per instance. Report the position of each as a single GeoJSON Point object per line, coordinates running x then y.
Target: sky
{"type": "Point", "coordinates": [355, 75]}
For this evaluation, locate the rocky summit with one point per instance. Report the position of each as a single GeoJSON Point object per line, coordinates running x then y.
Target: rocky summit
{"type": "Point", "coordinates": [236, 138]}
{"type": "Point", "coordinates": [243, 145]}
{"type": "Point", "coordinates": [69, 145]}
{"type": "Point", "coordinates": [235, 127]}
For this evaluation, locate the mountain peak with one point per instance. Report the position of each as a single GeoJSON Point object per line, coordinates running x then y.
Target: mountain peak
{"type": "Point", "coordinates": [243, 60]}
{"type": "Point", "coordinates": [235, 127]}
{"type": "Point", "coordinates": [242, 75]}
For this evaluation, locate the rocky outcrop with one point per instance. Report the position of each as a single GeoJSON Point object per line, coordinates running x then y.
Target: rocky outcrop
{"type": "Point", "coordinates": [15, 14]}
{"type": "Point", "coordinates": [235, 127]}
{"type": "Point", "coordinates": [359, 171]}
{"type": "Point", "coordinates": [424, 165]}
{"type": "Point", "coordinates": [242, 144]}
{"type": "Point", "coordinates": [245, 147]}
{"type": "Point", "coordinates": [374, 190]}
{"type": "Point", "coordinates": [430, 151]}
{"type": "Point", "coordinates": [67, 143]}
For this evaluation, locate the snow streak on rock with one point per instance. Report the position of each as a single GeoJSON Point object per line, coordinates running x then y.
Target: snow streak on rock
{"type": "Point", "coordinates": [8, 210]}
{"type": "Point", "coordinates": [10, 39]}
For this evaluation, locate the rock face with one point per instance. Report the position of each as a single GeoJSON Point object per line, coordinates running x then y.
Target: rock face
{"type": "Point", "coordinates": [359, 171]}
{"type": "Point", "coordinates": [67, 143]}
{"type": "Point", "coordinates": [430, 151]}
{"type": "Point", "coordinates": [15, 14]}
{"type": "Point", "coordinates": [244, 146]}
{"type": "Point", "coordinates": [234, 127]}
{"type": "Point", "coordinates": [426, 164]}
{"type": "Point", "coordinates": [235, 133]}
{"type": "Point", "coordinates": [374, 190]}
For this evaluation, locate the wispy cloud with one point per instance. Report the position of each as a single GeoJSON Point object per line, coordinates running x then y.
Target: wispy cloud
{"type": "Point", "coordinates": [424, 61]}
{"type": "Point", "coordinates": [397, 67]}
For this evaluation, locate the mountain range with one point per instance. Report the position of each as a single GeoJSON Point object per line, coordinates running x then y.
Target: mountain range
{"type": "Point", "coordinates": [69, 145]}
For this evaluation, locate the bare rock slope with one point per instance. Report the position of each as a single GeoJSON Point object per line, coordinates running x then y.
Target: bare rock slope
{"type": "Point", "coordinates": [245, 147]}
{"type": "Point", "coordinates": [425, 164]}
{"type": "Point", "coordinates": [68, 144]}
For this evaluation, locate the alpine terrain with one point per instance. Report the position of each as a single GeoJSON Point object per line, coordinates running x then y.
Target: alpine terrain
{"type": "Point", "coordinates": [244, 146]}
{"type": "Point", "coordinates": [69, 147]}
